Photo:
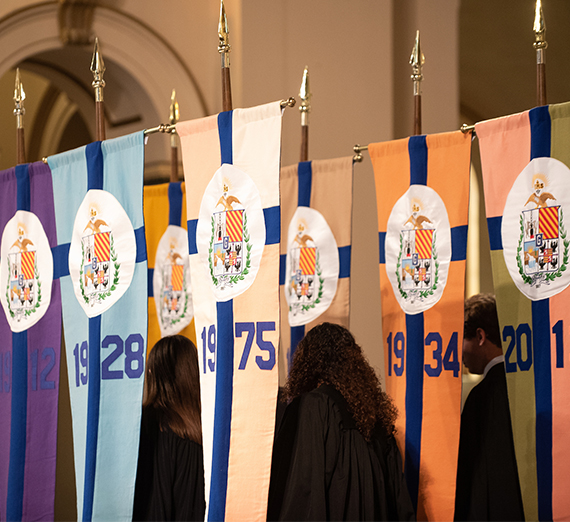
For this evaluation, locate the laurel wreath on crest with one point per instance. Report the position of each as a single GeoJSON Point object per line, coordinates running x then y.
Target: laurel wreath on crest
{"type": "Point", "coordinates": [552, 275]}
{"type": "Point", "coordinates": [423, 293]}
{"type": "Point", "coordinates": [116, 264]}
{"type": "Point", "coordinates": [32, 310]}
{"type": "Point", "coordinates": [232, 280]}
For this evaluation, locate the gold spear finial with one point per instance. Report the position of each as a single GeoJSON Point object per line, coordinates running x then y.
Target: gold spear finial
{"type": "Point", "coordinates": [98, 69]}
{"type": "Point", "coordinates": [224, 47]}
{"type": "Point", "coordinates": [305, 95]}
{"type": "Point", "coordinates": [174, 117]}
{"type": "Point", "coordinates": [539, 28]}
{"type": "Point", "coordinates": [19, 97]}
{"type": "Point", "coordinates": [417, 60]}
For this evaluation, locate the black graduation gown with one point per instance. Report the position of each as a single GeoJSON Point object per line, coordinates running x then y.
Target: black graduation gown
{"type": "Point", "coordinates": [323, 468]}
{"type": "Point", "coordinates": [487, 478]}
{"type": "Point", "coordinates": [170, 475]}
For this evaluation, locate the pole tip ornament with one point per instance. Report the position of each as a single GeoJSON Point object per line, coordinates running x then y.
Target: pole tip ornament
{"type": "Point", "coordinates": [223, 31]}
{"type": "Point", "coordinates": [305, 95]}
{"type": "Point", "coordinates": [98, 69]}
{"type": "Point", "coordinates": [539, 27]}
{"type": "Point", "coordinates": [417, 60]}
{"type": "Point", "coordinates": [19, 97]}
{"type": "Point", "coordinates": [174, 108]}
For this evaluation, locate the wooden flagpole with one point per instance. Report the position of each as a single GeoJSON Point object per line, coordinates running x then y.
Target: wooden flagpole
{"type": "Point", "coordinates": [98, 69]}
{"type": "Point", "coordinates": [305, 108]}
{"type": "Point", "coordinates": [224, 49]}
{"type": "Point", "coordinates": [417, 60]}
{"type": "Point", "coordinates": [174, 117]}
{"type": "Point", "coordinates": [540, 45]}
{"type": "Point", "coordinates": [19, 111]}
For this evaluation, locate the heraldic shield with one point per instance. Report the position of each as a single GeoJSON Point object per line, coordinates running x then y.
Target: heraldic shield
{"type": "Point", "coordinates": [417, 262]}
{"type": "Point", "coordinates": [229, 243]}
{"type": "Point", "coordinates": [305, 283]}
{"type": "Point", "coordinates": [23, 289]}
{"type": "Point", "coordinates": [97, 265]}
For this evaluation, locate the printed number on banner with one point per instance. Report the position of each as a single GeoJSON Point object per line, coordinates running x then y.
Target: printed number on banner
{"type": "Point", "coordinates": [41, 367]}
{"type": "Point", "coordinates": [520, 342]}
{"type": "Point", "coordinates": [253, 330]}
{"type": "Point", "coordinates": [132, 349]}
{"type": "Point", "coordinates": [448, 362]}
{"type": "Point", "coordinates": [5, 372]}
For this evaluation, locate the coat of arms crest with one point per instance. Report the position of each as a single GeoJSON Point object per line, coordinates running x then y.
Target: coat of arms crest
{"type": "Point", "coordinates": [417, 268]}
{"type": "Point", "coordinates": [174, 295]}
{"type": "Point", "coordinates": [542, 251]}
{"type": "Point", "coordinates": [24, 289]}
{"type": "Point", "coordinates": [306, 282]}
{"type": "Point", "coordinates": [99, 269]}
{"type": "Point", "coordinates": [230, 245]}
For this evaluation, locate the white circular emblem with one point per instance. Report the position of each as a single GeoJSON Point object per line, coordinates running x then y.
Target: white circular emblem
{"type": "Point", "coordinates": [26, 271]}
{"type": "Point", "coordinates": [171, 282]}
{"type": "Point", "coordinates": [230, 235]}
{"type": "Point", "coordinates": [103, 252]}
{"type": "Point", "coordinates": [533, 229]}
{"type": "Point", "coordinates": [312, 266]}
{"type": "Point", "coordinates": [418, 249]}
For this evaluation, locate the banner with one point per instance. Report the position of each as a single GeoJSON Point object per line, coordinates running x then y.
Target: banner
{"type": "Point", "coordinates": [233, 236]}
{"type": "Point", "coordinates": [316, 247]}
{"type": "Point", "coordinates": [422, 191]}
{"type": "Point", "coordinates": [526, 159]}
{"type": "Point", "coordinates": [170, 308]}
{"type": "Point", "coordinates": [30, 329]}
{"type": "Point", "coordinates": [99, 218]}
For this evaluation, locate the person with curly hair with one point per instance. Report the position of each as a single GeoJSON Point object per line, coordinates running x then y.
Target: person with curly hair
{"type": "Point", "coordinates": [170, 474]}
{"type": "Point", "coordinates": [335, 456]}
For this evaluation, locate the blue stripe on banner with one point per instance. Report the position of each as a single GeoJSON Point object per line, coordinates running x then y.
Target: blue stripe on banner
{"type": "Point", "coordinates": [150, 285]}
{"type": "Point", "coordinates": [225, 132]}
{"type": "Point", "coordinates": [414, 401]}
{"type": "Point", "coordinates": [382, 247]}
{"type": "Point", "coordinates": [282, 268]}
{"type": "Point", "coordinates": [297, 334]}
{"type": "Point", "coordinates": [93, 395]}
{"type": "Point", "coordinates": [140, 241]}
{"type": "Point", "coordinates": [543, 398]}
{"type": "Point", "coordinates": [175, 204]}
{"type": "Point", "coordinates": [540, 128]}
{"type": "Point", "coordinates": [192, 225]}
{"type": "Point", "coordinates": [417, 147]}
{"type": "Point", "coordinates": [23, 187]}
{"type": "Point", "coordinates": [459, 243]}
{"type": "Point", "coordinates": [19, 407]}
{"type": "Point", "coordinates": [60, 255]}
{"type": "Point", "coordinates": [94, 157]}
{"type": "Point", "coordinates": [272, 217]}
{"type": "Point", "coordinates": [494, 225]}
{"type": "Point", "coordinates": [305, 181]}
{"type": "Point", "coordinates": [344, 259]}
{"type": "Point", "coordinates": [223, 410]}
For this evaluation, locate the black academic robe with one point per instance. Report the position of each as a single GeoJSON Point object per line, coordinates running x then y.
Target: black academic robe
{"type": "Point", "coordinates": [170, 474]}
{"type": "Point", "coordinates": [487, 478]}
{"type": "Point", "coordinates": [323, 468]}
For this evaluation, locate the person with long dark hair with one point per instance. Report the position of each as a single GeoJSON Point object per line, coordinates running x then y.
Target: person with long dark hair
{"type": "Point", "coordinates": [170, 474]}
{"type": "Point", "coordinates": [335, 456]}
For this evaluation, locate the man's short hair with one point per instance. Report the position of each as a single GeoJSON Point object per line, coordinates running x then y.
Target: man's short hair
{"type": "Point", "coordinates": [481, 312]}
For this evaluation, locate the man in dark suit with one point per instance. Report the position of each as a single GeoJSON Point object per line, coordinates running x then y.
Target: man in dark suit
{"type": "Point", "coordinates": [487, 479]}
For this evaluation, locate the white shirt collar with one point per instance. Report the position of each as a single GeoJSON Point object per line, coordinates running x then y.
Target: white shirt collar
{"type": "Point", "coordinates": [493, 362]}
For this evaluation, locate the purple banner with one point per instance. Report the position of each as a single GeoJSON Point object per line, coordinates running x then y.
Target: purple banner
{"type": "Point", "coordinates": [27, 470]}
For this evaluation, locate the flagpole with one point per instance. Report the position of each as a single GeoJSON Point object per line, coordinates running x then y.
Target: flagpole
{"type": "Point", "coordinates": [305, 108]}
{"type": "Point", "coordinates": [417, 60]}
{"type": "Point", "coordinates": [224, 50]}
{"type": "Point", "coordinates": [540, 46]}
{"type": "Point", "coordinates": [19, 111]}
{"type": "Point", "coordinates": [174, 117]}
{"type": "Point", "coordinates": [98, 69]}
